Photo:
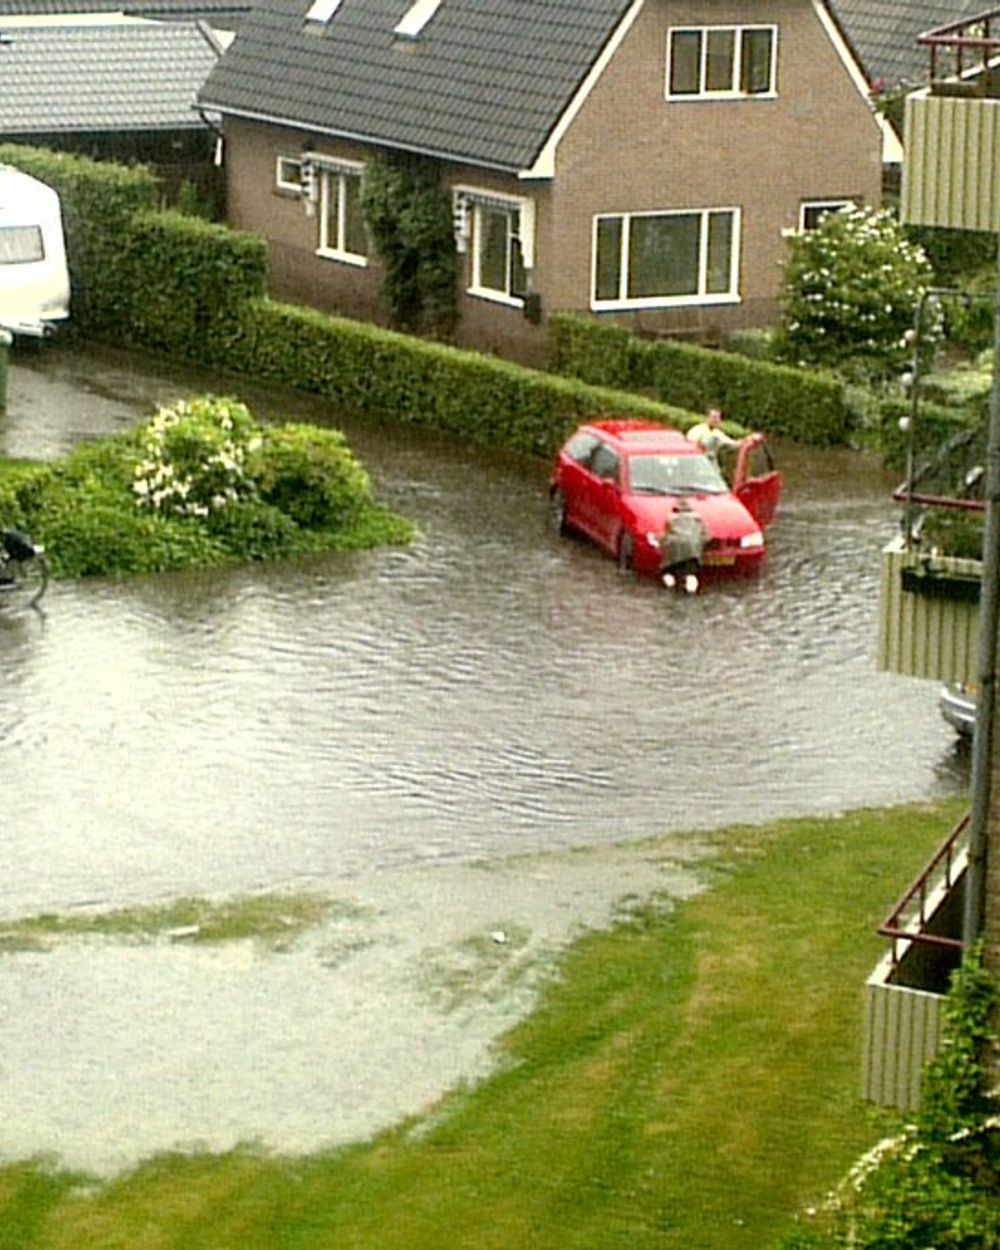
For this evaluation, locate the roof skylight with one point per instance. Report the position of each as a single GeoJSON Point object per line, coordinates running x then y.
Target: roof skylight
{"type": "Point", "coordinates": [322, 10]}
{"type": "Point", "coordinates": [416, 18]}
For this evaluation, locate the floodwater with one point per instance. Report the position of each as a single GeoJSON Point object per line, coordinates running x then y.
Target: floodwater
{"type": "Point", "coordinates": [426, 733]}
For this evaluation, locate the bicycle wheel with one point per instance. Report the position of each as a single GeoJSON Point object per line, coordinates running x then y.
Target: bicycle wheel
{"type": "Point", "coordinates": [23, 582]}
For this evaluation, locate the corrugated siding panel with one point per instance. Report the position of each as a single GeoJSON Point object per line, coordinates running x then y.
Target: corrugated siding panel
{"type": "Point", "coordinates": [952, 163]}
{"type": "Point", "coordinates": [920, 636]}
{"type": "Point", "coordinates": [902, 1033]}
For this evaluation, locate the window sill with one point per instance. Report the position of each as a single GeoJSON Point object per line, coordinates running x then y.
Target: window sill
{"type": "Point", "coordinates": [676, 301]}
{"type": "Point", "coordinates": [720, 96]}
{"type": "Point", "coordinates": [495, 297]}
{"type": "Point", "coordinates": [343, 258]}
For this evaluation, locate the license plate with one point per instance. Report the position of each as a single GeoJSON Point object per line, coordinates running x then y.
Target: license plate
{"type": "Point", "coordinates": [717, 561]}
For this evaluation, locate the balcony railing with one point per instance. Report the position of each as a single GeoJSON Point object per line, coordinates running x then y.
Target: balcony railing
{"type": "Point", "coordinates": [962, 53]}
{"type": "Point", "coordinates": [909, 923]}
{"type": "Point", "coordinates": [904, 995]}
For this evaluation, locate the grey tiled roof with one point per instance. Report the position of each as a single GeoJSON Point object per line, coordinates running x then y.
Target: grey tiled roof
{"type": "Point", "coordinates": [884, 33]}
{"type": "Point", "coordinates": [146, 8]}
{"type": "Point", "coordinates": [485, 82]}
{"type": "Point", "coordinates": [60, 79]}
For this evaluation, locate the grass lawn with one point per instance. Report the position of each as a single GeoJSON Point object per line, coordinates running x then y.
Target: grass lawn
{"type": "Point", "coordinates": [689, 1079]}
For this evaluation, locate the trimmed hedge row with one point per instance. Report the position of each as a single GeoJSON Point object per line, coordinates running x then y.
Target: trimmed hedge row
{"type": "Point", "coordinates": [370, 370]}
{"type": "Point", "coordinates": [755, 393]}
{"type": "Point", "coordinates": [184, 278]}
{"type": "Point", "coordinates": [179, 285]}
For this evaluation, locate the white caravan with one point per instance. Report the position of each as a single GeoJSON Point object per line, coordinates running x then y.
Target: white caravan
{"type": "Point", "coordinates": [34, 280]}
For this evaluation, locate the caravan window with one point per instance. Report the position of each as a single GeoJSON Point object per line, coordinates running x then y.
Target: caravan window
{"type": "Point", "coordinates": [20, 245]}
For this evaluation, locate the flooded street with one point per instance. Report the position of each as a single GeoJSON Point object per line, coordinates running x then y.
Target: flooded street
{"type": "Point", "coordinates": [392, 727]}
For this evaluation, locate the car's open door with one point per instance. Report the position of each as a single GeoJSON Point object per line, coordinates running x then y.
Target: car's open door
{"type": "Point", "coordinates": [756, 482]}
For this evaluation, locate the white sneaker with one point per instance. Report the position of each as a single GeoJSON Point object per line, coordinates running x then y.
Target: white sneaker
{"type": "Point", "coordinates": [669, 581]}
{"type": "Point", "coordinates": [691, 584]}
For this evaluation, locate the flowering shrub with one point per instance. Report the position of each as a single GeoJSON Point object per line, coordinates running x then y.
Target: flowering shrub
{"type": "Point", "coordinates": [850, 291]}
{"type": "Point", "coordinates": [193, 457]}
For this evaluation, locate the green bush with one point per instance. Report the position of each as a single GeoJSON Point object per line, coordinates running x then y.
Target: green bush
{"type": "Point", "coordinates": [182, 276]}
{"type": "Point", "coordinates": [850, 291]}
{"type": "Point", "coordinates": [310, 475]}
{"type": "Point", "coordinates": [757, 394]}
{"type": "Point", "coordinates": [179, 492]}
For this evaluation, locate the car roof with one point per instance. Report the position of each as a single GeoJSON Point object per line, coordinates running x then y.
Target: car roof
{"type": "Point", "coordinates": [631, 435]}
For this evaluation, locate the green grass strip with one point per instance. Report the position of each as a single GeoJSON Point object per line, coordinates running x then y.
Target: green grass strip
{"type": "Point", "coordinates": [690, 1080]}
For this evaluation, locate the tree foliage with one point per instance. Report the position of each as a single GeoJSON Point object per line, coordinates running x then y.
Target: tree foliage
{"type": "Point", "coordinates": [850, 291]}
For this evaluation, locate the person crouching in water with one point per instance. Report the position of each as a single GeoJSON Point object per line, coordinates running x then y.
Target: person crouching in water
{"type": "Point", "coordinates": [683, 549]}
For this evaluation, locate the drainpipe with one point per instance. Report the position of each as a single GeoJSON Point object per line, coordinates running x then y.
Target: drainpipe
{"type": "Point", "coordinates": [982, 743]}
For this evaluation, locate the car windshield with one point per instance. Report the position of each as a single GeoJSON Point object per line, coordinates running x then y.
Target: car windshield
{"type": "Point", "coordinates": [675, 475]}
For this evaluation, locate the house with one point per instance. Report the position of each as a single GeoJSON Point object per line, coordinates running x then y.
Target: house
{"type": "Point", "coordinates": [635, 159]}
{"type": "Point", "coordinates": [86, 76]}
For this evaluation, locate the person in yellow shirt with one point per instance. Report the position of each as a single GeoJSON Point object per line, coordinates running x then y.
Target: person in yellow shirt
{"type": "Point", "coordinates": [709, 434]}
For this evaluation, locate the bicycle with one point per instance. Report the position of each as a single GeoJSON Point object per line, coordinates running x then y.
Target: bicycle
{"type": "Point", "coordinates": [24, 571]}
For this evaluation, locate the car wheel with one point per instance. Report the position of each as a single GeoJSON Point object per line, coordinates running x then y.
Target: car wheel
{"type": "Point", "coordinates": [557, 511]}
{"type": "Point", "coordinates": [626, 551]}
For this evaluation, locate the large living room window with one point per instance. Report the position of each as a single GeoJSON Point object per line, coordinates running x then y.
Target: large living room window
{"type": "Point", "coordinates": [649, 260]}
{"type": "Point", "coordinates": [342, 234]}
{"type": "Point", "coordinates": [721, 61]}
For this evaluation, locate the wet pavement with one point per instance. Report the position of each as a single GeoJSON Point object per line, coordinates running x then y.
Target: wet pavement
{"type": "Point", "coordinates": [418, 732]}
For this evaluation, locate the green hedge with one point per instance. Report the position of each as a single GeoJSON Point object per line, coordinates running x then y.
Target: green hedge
{"type": "Point", "coordinates": [177, 284]}
{"type": "Point", "coordinates": [757, 394]}
{"type": "Point", "coordinates": [370, 370]}
{"type": "Point", "coordinates": [184, 276]}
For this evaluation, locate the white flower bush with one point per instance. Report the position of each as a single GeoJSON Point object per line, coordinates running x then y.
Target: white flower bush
{"type": "Point", "coordinates": [194, 457]}
{"type": "Point", "coordinates": [851, 289]}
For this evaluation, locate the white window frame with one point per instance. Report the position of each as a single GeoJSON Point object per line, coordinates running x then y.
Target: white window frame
{"type": "Point", "coordinates": [283, 183]}
{"type": "Point", "coordinates": [702, 296]}
{"type": "Point", "coordinates": [327, 169]}
{"type": "Point", "coordinates": [469, 204]}
{"type": "Point", "coordinates": [733, 92]}
{"type": "Point", "coordinates": [832, 205]}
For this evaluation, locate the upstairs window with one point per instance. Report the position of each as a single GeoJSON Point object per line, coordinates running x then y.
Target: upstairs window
{"type": "Point", "coordinates": [721, 61]}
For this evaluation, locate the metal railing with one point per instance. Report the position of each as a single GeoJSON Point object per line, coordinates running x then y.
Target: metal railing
{"type": "Point", "coordinates": [963, 48]}
{"type": "Point", "coordinates": [907, 922]}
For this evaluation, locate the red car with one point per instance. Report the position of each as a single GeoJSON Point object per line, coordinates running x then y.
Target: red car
{"type": "Point", "coordinates": [622, 483]}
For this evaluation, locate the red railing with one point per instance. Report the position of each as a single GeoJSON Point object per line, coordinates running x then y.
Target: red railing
{"type": "Point", "coordinates": [908, 919]}
{"type": "Point", "coordinates": [961, 48]}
